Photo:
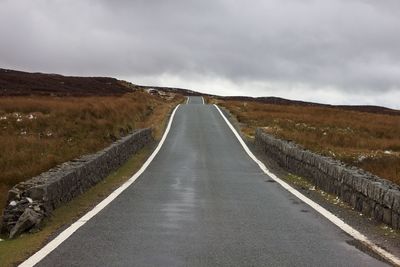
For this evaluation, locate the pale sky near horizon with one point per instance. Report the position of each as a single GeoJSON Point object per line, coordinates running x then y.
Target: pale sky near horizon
{"type": "Point", "coordinates": [331, 51]}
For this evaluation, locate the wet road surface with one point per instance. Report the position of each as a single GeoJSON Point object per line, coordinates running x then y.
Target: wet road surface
{"type": "Point", "coordinates": [204, 202]}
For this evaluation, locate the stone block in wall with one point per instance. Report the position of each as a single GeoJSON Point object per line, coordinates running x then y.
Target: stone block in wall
{"type": "Point", "coordinates": [395, 220]}
{"type": "Point", "coordinates": [396, 203]}
{"type": "Point", "coordinates": [387, 216]}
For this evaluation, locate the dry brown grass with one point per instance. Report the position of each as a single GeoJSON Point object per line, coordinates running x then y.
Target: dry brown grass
{"type": "Point", "coordinates": [370, 141]}
{"type": "Point", "coordinates": [37, 133]}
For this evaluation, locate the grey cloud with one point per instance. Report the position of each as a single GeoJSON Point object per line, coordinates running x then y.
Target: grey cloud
{"type": "Point", "coordinates": [350, 45]}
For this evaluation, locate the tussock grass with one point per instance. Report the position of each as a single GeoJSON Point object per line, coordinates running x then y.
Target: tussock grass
{"type": "Point", "coordinates": [39, 132]}
{"type": "Point", "coordinates": [367, 140]}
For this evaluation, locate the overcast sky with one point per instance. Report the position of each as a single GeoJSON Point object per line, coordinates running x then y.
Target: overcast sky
{"type": "Point", "coordinates": [330, 51]}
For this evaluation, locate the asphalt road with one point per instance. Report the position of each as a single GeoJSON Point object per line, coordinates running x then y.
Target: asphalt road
{"type": "Point", "coordinates": [204, 202]}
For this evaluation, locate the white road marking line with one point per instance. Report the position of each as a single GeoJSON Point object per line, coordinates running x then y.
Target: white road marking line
{"type": "Point", "coordinates": [327, 214]}
{"type": "Point", "coordinates": [202, 98]}
{"type": "Point", "coordinates": [42, 253]}
{"type": "Point", "coordinates": [187, 100]}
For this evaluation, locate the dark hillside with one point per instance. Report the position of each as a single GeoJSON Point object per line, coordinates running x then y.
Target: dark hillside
{"type": "Point", "coordinates": [283, 101]}
{"type": "Point", "coordinates": [18, 83]}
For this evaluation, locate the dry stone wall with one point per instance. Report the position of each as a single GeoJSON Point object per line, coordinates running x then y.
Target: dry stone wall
{"type": "Point", "coordinates": [30, 201]}
{"type": "Point", "coordinates": [365, 192]}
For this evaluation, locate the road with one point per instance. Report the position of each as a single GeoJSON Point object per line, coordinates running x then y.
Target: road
{"type": "Point", "coordinates": [203, 202]}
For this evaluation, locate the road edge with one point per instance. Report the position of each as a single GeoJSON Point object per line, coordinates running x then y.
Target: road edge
{"type": "Point", "coordinates": [64, 235]}
{"type": "Point", "coordinates": [324, 212]}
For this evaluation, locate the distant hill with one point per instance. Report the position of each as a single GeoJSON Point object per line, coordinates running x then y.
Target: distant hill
{"type": "Point", "coordinates": [17, 83]}
{"type": "Point", "coordinates": [277, 100]}
{"type": "Point", "coordinates": [283, 101]}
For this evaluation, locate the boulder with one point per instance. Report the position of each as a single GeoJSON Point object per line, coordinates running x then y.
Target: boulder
{"type": "Point", "coordinates": [28, 220]}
